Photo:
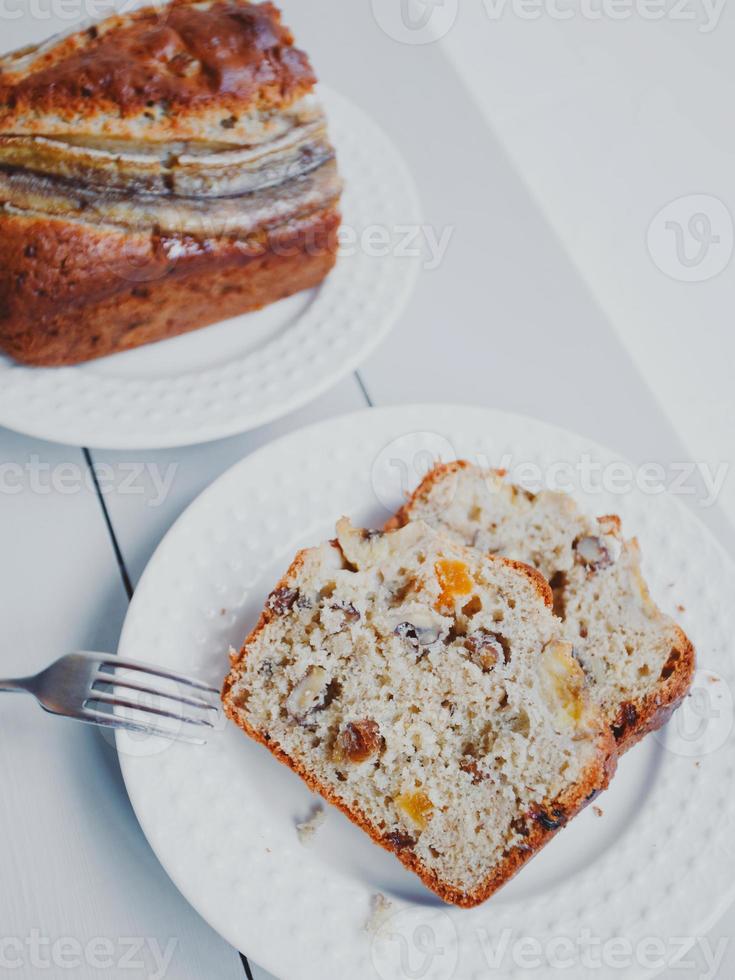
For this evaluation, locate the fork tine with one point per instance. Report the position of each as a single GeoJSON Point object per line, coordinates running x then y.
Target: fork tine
{"type": "Point", "coordinates": [104, 720]}
{"type": "Point", "coordinates": [116, 681]}
{"type": "Point", "coordinates": [102, 698]}
{"type": "Point", "coordinates": [115, 662]}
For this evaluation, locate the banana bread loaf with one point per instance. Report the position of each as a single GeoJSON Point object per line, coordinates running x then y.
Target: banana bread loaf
{"type": "Point", "coordinates": [160, 171]}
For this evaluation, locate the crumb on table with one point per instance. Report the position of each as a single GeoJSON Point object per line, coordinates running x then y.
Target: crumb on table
{"type": "Point", "coordinates": [598, 811]}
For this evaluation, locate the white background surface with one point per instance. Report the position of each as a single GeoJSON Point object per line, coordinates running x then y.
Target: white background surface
{"type": "Point", "coordinates": [548, 148]}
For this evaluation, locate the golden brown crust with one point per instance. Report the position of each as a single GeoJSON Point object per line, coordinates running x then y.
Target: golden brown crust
{"type": "Point", "coordinates": [636, 718]}
{"type": "Point", "coordinates": [540, 825]}
{"type": "Point", "coordinates": [534, 576]}
{"type": "Point", "coordinates": [71, 291]}
{"type": "Point", "coordinates": [159, 67]}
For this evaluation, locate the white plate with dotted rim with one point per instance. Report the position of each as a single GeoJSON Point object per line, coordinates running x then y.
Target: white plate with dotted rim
{"type": "Point", "coordinates": [654, 865]}
{"type": "Point", "coordinates": [244, 372]}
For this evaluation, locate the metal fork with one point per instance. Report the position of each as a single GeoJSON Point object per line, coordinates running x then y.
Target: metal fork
{"type": "Point", "coordinates": [74, 686]}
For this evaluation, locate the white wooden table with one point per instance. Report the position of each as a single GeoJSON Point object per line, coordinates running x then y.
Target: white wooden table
{"type": "Point", "coordinates": [519, 315]}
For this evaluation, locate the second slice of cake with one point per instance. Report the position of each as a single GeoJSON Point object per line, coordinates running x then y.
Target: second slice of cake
{"type": "Point", "coordinates": [426, 691]}
{"type": "Point", "coordinates": [638, 662]}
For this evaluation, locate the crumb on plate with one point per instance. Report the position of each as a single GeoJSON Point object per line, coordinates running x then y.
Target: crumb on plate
{"type": "Point", "coordinates": [308, 828]}
{"type": "Point", "coordinates": [380, 910]}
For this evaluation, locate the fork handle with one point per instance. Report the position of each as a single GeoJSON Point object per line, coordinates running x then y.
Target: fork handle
{"type": "Point", "coordinates": [19, 685]}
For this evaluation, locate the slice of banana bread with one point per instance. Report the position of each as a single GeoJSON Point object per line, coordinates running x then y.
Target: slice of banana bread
{"type": "Point", "coordinates": [639, 662]}
{"type": "Point", "coordinates": [426, 691]}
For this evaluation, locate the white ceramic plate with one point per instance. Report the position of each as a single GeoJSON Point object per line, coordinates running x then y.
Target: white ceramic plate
{"type": "Point", "coordinates": [654, 868]}
{"type": "Point", "coordinates": [236, 375]}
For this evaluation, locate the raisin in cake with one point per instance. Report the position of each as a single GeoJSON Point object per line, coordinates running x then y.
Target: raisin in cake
{"type": "Point", "coordinates": [639, 662]}
{"type": "Point", "coordinates": [159, 171]}
{"type": "Point", "coordinates": [426, 690]}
